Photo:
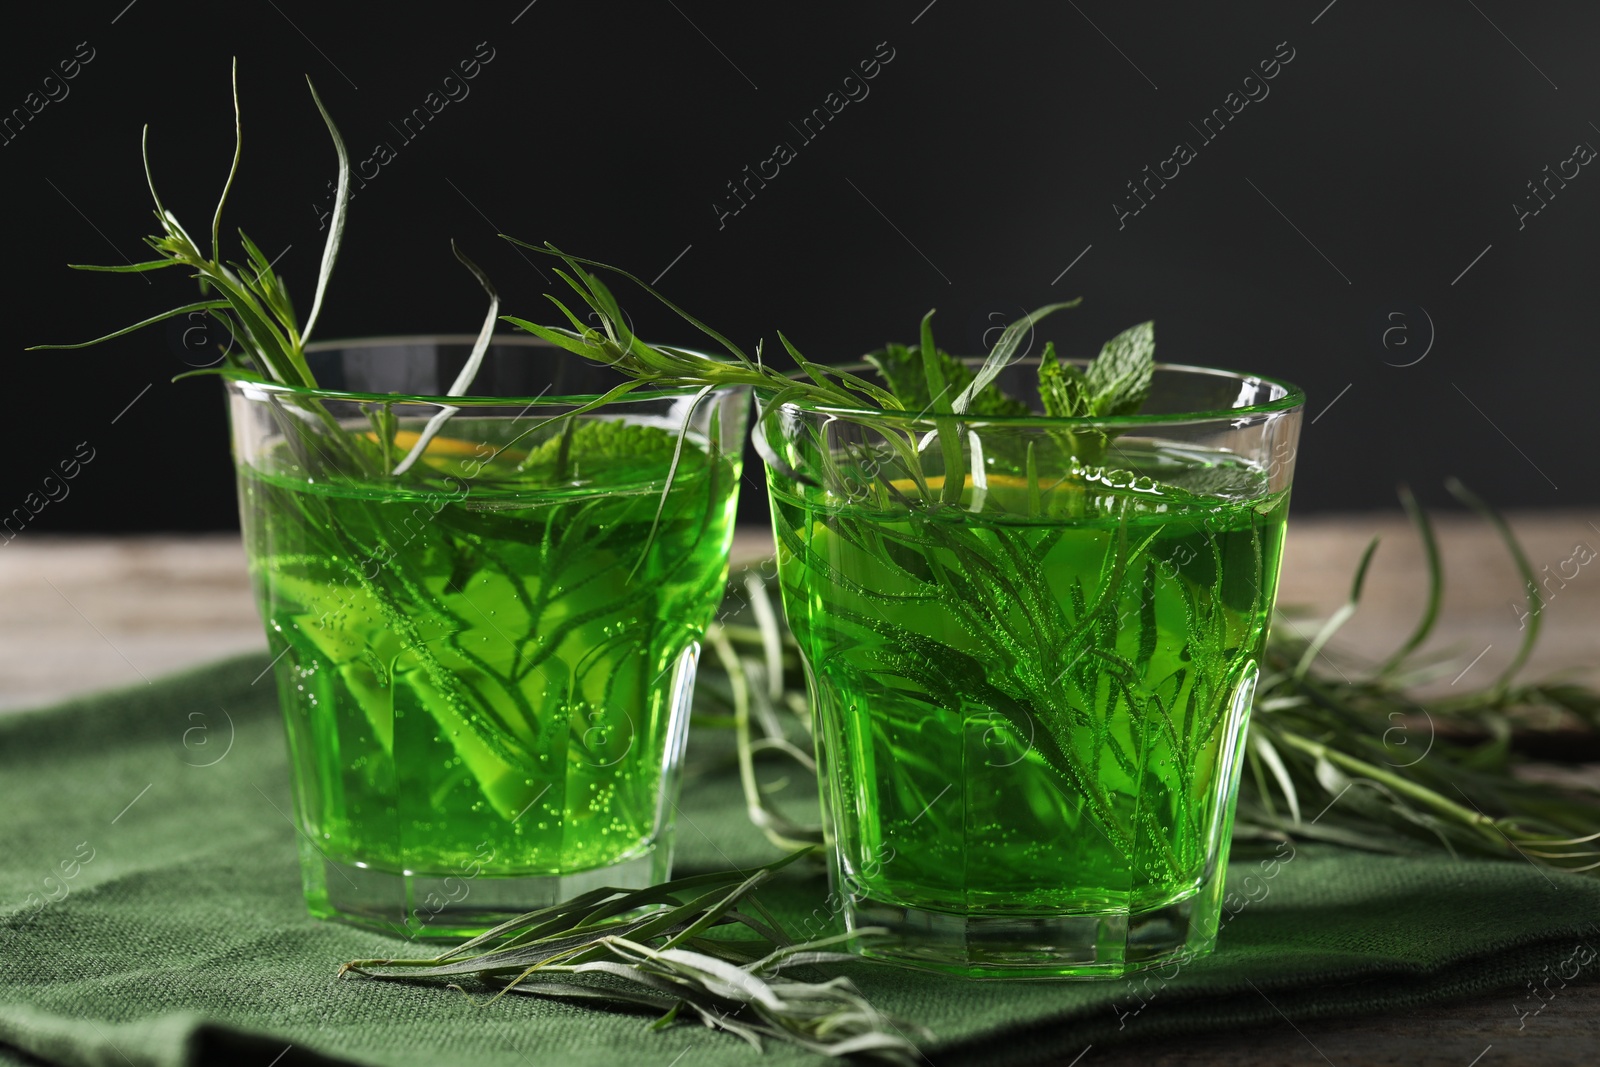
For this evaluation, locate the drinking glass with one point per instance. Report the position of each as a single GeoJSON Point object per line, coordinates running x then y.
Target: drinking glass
{"type": "Point", "coordinates": [484, 620]}
{"type": "Point", "coordinates": [1031, 645]}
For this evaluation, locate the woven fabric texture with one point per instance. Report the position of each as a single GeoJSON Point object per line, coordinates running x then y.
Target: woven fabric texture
{"type": "Point", "coordinates": [180, 936]}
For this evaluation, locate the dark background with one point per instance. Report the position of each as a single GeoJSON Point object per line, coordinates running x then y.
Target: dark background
{"type": "Point", "coordinates": [1372, 188]}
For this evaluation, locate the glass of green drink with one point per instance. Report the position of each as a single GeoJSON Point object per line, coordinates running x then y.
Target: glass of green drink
{"type": "Point", "coordinates": [485, 619]}
{"type": "Point", "coordinates": [1031, 645]}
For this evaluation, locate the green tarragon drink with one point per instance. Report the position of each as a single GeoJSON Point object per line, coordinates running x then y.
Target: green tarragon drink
{"type": "Point", "coordinates": [1031, 687]}
{"type": "Point", "coordinates": [482, 674]}
{"type": "Point", "coordinates": [1030, 714]}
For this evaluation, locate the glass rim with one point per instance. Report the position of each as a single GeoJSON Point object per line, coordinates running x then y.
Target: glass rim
{"type": "Point", "coordinates": [240, 377]}
{"type": "Point", "coordinates": [1294, 399]}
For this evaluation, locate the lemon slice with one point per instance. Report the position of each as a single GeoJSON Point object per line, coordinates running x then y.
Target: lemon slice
{"type": "Point", "coordinates": [445, 447]}
{"type": "Point", "coordinates": [1002, 481]}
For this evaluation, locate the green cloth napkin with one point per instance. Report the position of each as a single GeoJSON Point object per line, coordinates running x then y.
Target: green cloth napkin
{"type": "Point", "coordinates": [160, 819]}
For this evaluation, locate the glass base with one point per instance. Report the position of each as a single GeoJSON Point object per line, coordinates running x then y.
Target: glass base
{"type": "Point", "coordinates": [430, 907]}
{"type": "Point", "coordinates": [1105, 945]}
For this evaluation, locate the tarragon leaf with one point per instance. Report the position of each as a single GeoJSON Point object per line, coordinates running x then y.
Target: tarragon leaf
{"type": "Point", "coordinates": [1007, 349]}
{"type": "Point", "coordinates": [341, 209]}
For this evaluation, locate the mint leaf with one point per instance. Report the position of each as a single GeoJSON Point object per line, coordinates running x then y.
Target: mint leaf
{"type": "Point", "coordinates": [1119, 378]}
{"type": "Point", "coordinates": [1063, 389]}
{"type": "Point", "coordinates": [901, 371]}
{"type": "Point", "coordinates": [1116, 383]}
{"type": "Point", "coordinates": [906, 376]}
{"type": "Point", "coordinates": [606, 441]}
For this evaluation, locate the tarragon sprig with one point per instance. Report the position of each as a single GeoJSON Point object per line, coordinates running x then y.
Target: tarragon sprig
{"type": "Point", "coordinates": [922, 380]}
{"type": "Point", "coordinates": [613, 343]}
{"type": "Point", "coordinates": [667, 949]}
{"type": "Point", "coordinates": [1393, 768]}
{"type": "Point", "coordinates": [250, 299]}
{"type": "Point", "coordinates": [947, 408]}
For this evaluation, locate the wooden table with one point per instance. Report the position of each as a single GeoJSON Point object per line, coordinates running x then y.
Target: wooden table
{"type": "Point", "coordinates": [83, 614]}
